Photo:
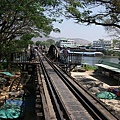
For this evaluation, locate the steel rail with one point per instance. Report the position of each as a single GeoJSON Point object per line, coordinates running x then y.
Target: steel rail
{"type": "Point", "coordinates": [79, 97]}
{"type": "Point", "coordinates": [92, 109]}
{"type": "Point", "coordinates": [97, 100]}
{"type": "Point", "coordinates": [60, 110]}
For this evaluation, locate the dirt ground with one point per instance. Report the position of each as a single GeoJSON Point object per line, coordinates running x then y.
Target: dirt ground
{"type": "Point", "coordinates": [95, 83]}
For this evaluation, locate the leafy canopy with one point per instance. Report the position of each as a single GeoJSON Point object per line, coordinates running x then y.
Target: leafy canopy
{"type": "Point", "coordinates": [24, 19]}
{"type": "Point", "coordinates": [98, 12]}
{"type": "Point", "coordinates": [19, 17]}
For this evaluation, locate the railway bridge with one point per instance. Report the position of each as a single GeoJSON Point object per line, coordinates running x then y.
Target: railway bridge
{"type": "Point", "coordinates": [68, 60]}
{"type": "Point", "coordinates": [50, 93]}
{"type": "Point", "coordinates": [31, 79]}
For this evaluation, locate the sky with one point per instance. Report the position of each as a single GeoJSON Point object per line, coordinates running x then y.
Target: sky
{"type": "Point", "coordinates": [69, 29]}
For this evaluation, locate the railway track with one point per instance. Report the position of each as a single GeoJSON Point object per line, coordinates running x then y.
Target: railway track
{"type": "Point", "coordinates": [67, 99]}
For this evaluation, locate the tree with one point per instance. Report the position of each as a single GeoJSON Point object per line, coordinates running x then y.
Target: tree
{"type": "Point", "coordinates": [15, 45]}
{"type": "Point", "coordinates": [18, 17]}
{"type": "Point", "coordinates": [25, 40]}
{"type": "Point", "coordinates": [98, 12]}
{"type": "Point", "coordinates": [115, 42]}
{"type": "Point", "coordinates": [38, 43]}
{"type": "Point", "coordinates": [45, 43]}
{"type": "Point", "coordinates": [24, 19]}
{"type": "Point", "coordinates": [50, 42]}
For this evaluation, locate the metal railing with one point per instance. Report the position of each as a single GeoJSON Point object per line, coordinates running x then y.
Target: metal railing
{"type": "Point", "coordinates": [19, 57]}
{"type": "Point", "coordinates": [71, 58]}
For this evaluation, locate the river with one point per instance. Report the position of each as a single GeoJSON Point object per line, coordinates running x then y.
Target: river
{"type": "Point", "coordinates": [94, 60]}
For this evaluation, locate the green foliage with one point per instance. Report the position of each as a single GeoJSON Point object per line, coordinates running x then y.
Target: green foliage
{"type": "Point", "coordinates": [100, 12]}
{"type": "Point", "coordinates": [19, 17]}
{"type": "Point", "coordinates": [91, 67]}
{"type": "Point", "coordinates": [50, 42]}
{"type": "Point", "coordinates": [25, 40]}
{"type": "Point", "coordinates": [118, 55]}
{"type": "Point", "coordinates": [45, 43]}
{"type": "Point", "coordinates": [3, 65]}
{"type": "Point", "coordinates": [38, 43]}
{"type": "Point", "coordinates": [14, 46]}
{"type": "Point", "coordinates": [24, 19]}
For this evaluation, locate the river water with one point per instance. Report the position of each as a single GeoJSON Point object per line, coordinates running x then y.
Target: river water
{"type": "Point", "coordinates": [94, 60]}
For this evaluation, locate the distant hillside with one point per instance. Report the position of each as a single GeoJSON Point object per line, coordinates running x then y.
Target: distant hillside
{"type": "Point", "coordinates": [77, 40]}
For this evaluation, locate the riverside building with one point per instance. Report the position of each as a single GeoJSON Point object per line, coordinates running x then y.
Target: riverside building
{"type": "Point", "coordinates": [66, 43]}
{"type": "Point", "coordinates": [103, 44]}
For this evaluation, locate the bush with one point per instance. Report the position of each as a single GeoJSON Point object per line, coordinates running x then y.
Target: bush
{"type": "Point", "coordinates": [89, 67]}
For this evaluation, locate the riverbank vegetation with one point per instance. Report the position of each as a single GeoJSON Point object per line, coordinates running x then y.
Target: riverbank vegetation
{"type": "Point", "coordinates": [89, 67]}
{"type": "Point", "coordinates": [84, 67]}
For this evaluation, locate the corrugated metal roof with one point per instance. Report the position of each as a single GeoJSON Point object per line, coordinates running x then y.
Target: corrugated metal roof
{"type": "Point", "coordinates": [109, 67]}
